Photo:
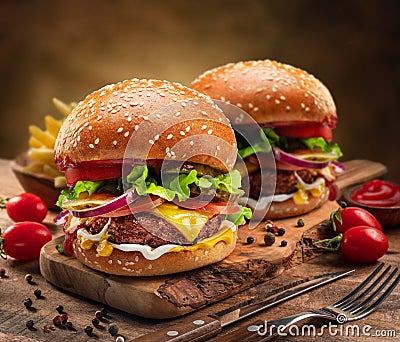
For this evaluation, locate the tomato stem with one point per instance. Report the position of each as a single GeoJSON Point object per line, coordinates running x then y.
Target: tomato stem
{"type": "Point", "coordinates": [330, 245]}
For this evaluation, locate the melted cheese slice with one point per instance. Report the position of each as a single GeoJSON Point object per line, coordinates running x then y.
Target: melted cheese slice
{"type": "Point", "coordinates": [188, 222]}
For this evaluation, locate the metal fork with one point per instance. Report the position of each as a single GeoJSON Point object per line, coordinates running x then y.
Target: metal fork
{"type": "Point", "coordinates": [357, 304]}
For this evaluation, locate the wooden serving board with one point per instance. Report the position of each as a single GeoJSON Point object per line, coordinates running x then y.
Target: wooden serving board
{"type": "Point", "coordinates": [175, 295]}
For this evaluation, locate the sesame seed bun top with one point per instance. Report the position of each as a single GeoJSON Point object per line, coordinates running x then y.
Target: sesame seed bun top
{"type": "Point", "coordinates": [124, 120]}
{"type": "Point", "coordinates": [271, 92]}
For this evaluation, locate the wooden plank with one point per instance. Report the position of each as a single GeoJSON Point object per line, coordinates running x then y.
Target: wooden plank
{"type": "Point", "coordinates": [175, 295]}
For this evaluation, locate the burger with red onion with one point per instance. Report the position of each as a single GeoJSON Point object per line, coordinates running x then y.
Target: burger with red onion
{"type": "Point", "coordinates": [296, 114]}
{"type": "Point", "coordinates": [152, 189]}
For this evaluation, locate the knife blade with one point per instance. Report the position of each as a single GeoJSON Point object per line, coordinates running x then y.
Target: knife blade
{"type": "Point", "coordinates": [204, 327]}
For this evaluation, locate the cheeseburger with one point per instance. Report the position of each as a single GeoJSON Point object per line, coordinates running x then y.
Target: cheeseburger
{"type": "Point", "coordinates": [296, 114]}
{"type": "Point", "coordinates": [152, 189]}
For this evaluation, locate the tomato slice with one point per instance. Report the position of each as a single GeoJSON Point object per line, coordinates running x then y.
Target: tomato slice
{"type": "Point", "coordinates": [306, 130]}
{"type": "Point", "coordinates": [93, 173]}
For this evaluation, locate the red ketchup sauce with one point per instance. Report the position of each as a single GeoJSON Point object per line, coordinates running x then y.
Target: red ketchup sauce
{"type": "Point", "coordinates": [377, 193]}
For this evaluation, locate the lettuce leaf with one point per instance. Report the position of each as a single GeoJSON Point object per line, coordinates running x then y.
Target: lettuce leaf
{"type": "Point", "coordinates": [286, 144]}
{"type": "Point", "coordinates": [313, 143]}
{"type": "Point", "coordinates": [238, 218]}
{"type": "Point", "coordinates": [80, 186]}
{"type": "Point", "coordinates": [180, 186]}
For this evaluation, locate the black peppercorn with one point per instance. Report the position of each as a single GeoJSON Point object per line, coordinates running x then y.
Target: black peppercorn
{"type": "Point", "coordinates": [271, 230]}
{"type": "Point", "coordinates": [283, 243]}
{"type": "Point", "coordinates": [60, 309]}
{"type": "Point", "coordinates": [113, 329]}
{"type": "Point", "coordinates": [38, 293]}
{"type": "Point", "coordinates": [250, 240]}
{"type": "Point", "coordinates": [28, 278]}
{"type": "Point", "coordinates": [98, 314]}
{"type": "Point", "coordinates": [28, 303]}
{"type": "Point", "coordinates": [269, 239]}
{"type": "Point", "coordinates": [281, 231]}
{"type": "Point", "coordinates": [300, 223]}
{"type": "Point", "coordinates": [95, 321]}
{"type": "Point", "coordinates": [88, 330]}
{"type": "Point", "coordinates": [69, 325]}
{"type": "Point", "coordinates": [104, 311]}
{"type": "Point", "coordinates": [29, 324]}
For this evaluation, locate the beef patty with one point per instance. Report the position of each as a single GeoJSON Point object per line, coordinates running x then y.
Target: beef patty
{"type": "Point", "coordinates": [129, 229]}
{"type": "Point", "coordinates": [285, 181]}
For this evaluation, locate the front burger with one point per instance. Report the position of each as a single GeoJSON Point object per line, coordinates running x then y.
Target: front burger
{"type": "Point", "coordinates": [296, 114]}
{"type": "Point", "coordinates": [152, 189]}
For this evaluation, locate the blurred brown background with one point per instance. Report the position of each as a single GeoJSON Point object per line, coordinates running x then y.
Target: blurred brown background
{"type": "Point", "coordinates": [69, 48]}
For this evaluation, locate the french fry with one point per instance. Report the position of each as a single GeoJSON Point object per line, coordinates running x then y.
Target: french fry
{"type": "Point", "coordinates": [63, 107]}
{"type": "Point", "coordinates": [44, 137]}
{"type": "Point", "coordinates": [52, 125]}
{"type": "Point", "coordinates": [51, 170]}
{"type": "Point", "coordinates": [33, 142]}
{"type": "Point", "coordinates": [34, 167]}
{"type": "Point", "coordinates": [44, 155]}
{"type": "Point", "coordinates": [60, 182]}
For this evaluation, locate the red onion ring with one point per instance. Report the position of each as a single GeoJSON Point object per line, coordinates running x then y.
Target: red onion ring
{"type": "Point", "coordinates": [61, 218]}
{"type": "Point", "coordinates": [291, 159]}
{"type": "Point", "coordinates": [338, 167]}
{"type": "Point", "coordinates": [119, 202]}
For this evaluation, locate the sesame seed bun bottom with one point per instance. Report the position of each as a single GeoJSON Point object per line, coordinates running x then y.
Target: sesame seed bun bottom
{"type": "Point", "coordinates": [134, 264]}
{"type": "Point", "coordinates": [289, 208]}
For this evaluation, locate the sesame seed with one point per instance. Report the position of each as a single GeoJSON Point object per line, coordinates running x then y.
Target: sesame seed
{"type": "Point", "coordinates": [129, 119]}
{"type": "Point", "coordinates": [283, 98]}
{"type": "Point", "coordinates": [187, 129]}
{"type": "Point", "coordinates": [191, 143]}
{"type": "Point", "coordinates": [177, 113]}
{"type": "Point", "coordinates": [91, 145]}
{"type": "Point", "coordinates": [136, 127]}
{"type": "Point", "coordinates": [210, 131]}
{"type": "Point", "coordinates": [96, 141]}
{"type": "Point", "coordinates": [169, 136]}
{"type": "Point", "coordinates": [126, 134]}
{"type": "Point", "coordinates": [288, 108]}
{"type": "Point", "coordinates": [157, 137]}
{"type": "Point", "coordinates": [90, 128]}
{"type": "Point", "coordinates": [151, 142]}
{"type": "Point", "coordinates": [99, 117]}
{"type": "Point", "coordinates": [145, 118]}
{"type": "Point", "coordinates": [203, 112]}
{"type": "Point", "coordinates": [268, 97]}
{"type": "Point", "coordinates": [203, 127]}
{"type": "Point", "coordinates": [119, 130]}
{"type": "Point", "coordinates": [303, 105]}
{"type": "Point", "coordinates": [182, 133]}
{"type": "Point", "coordinates": [115, 142]}
{"type": "Point", "coordinates": [218, 148]}
{"type": "Point", "coordinates": [277, 101]}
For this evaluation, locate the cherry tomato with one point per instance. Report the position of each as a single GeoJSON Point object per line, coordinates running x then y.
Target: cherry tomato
{"type": "Point", "coordinates": [26, 207]}
{"type": "Point", "coordinates": [354, 216]}
{"type": "Point", "coordinates": [364, 244]}
{"type": "Point", "coordinates": [23, 240]}
{"type": "Point", "coordinates": [309, 130]}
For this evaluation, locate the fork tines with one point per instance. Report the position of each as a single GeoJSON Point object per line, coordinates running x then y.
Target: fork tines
{"type": "Point", "coordinates": [361, 302]}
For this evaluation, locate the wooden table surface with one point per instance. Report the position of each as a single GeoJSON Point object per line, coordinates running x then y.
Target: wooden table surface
{"type": "Point", "coordinates": [14, 289]}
